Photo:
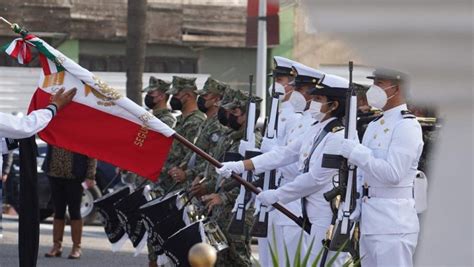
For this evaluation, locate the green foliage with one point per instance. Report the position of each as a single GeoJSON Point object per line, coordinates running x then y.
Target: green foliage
{"type": "Point", "coordinates": [300, 261]}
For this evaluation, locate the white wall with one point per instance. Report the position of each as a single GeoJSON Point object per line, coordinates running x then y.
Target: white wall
{"type": "Point", "coordinates": [17, 84]}
{"type": "Point", "coordinates": [432, 41]}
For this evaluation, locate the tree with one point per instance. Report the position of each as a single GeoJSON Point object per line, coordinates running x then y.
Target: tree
{"type": "Point", "coordinates": [136, 46]}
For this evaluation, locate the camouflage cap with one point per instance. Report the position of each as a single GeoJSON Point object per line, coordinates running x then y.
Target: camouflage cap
{"type": "Point", "coordinates": [213, 86]}
{"type": "Point", "coordinates": [240, 100]}
{"type": "Point", "coordinates": [157, 84]}
{"type": "Point", "coordinates": [228, 96]}
{"type": "Point", "coordinates": [182, 83]}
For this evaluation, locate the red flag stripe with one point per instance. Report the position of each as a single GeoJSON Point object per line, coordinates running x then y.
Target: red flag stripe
{"type": "Point", "coordinates": [44, 64]}
{"type": "Point", "coordinates": [105, 137]}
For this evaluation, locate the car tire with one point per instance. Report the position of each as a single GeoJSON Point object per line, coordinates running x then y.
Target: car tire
{"type": "Point", "coordinates": [88, 211]}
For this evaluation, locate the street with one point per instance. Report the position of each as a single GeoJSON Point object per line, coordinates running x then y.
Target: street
{"type": "Point", "coordinates": [95, 247]}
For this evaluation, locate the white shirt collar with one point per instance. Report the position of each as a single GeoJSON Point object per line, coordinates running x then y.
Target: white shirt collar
{"type": "Point", "coordinates": [395, 111]}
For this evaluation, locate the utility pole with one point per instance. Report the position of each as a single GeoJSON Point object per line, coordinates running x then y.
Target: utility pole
{"type": "Point", "coordinates": [136, 46]}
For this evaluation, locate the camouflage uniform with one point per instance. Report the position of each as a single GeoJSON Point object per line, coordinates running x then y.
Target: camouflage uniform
{"type": "Point", "coordinates": [162, 114]}
{"type": "Point", "coordinates": [187, 127]}
{"type": "Point", "coordinates": [209, 134]}
{"type": "Point", "coordinates": [165, 116]}
{"type": "Point", "coordinates": [239, 251]}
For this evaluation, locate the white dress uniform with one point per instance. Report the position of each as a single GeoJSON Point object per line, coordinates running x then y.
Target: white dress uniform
{"type": "Point", "coordinates": [289, 115]}
{"type": "Point", "coordinates": [286, 231]}
{"type": "Point", "coordinates": [313, 184]}
{"type": "Point", "coordinates": [16, 128]}
{"type": "Point", "coordinates": [387, 162]}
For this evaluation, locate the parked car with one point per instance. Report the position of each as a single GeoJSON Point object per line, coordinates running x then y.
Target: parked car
{"type": "Point", "coordinates": [105, 176]}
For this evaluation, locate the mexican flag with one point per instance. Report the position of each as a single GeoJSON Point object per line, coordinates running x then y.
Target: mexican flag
{"type": "Point", "coordinates": [99, 123]}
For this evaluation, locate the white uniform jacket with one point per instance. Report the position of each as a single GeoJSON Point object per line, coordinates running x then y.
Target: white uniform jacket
{"type": "Point", "coordinates": [317, 180]}
{"type": "Point", "coordinates": [388, 158]}
{"type": "Point", "coordinates": [289, 172]}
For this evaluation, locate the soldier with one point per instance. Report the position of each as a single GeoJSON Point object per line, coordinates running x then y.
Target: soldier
{"type": "Point", "coordinates": [156, 99]}
{"type": "Point", "coordinates": [222, 202]}
{"type": "Point", "coordinates": [217, 151]}
{"type": "Point", "coordinates": [184, 93]}
{"type": "Point", "coordinates": [387, 161]}
{"type": "Point", "coordinates": [307, 150]}
{"type": "Point", "coordinates": [292, 102]}
{"type": "Point", "coordinates": [209, 132]}
{"type": "Point", "coordinates": [285, 231]}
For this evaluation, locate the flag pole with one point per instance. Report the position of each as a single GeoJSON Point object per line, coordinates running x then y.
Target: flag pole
{"type": "Point", "coordinates": [248, 185]}
{"type": "Point", "coordinates": [6, 21]}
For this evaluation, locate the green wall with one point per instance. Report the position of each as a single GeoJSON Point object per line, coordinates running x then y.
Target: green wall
{"type": "Point", "coordinates": [287, 32]}
{"type": "Point", "coordinates": [70, 48]}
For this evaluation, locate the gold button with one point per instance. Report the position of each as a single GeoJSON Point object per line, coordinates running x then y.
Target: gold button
{"type": "Point", "coordinates": [283, 119]}
{"type": "Point", "coordinates": [382, 121]}
{"type": "Point", "coordinates": [300, 126]}
{"type": "Point", "coordinates": [386, 130]}
{"type": "Point", "coordinates": [375, 136]}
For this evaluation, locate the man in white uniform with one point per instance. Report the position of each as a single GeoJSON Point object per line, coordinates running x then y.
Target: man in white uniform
{"type": "Point", "coordinates": [12, 127]}
{"type": "Point", "coordinates": [387, 162]}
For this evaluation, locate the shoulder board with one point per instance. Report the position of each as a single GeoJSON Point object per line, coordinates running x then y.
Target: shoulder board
{"type": "Point", "coordinates": [406, 114]}
{"type": "Point", "coordinates": [337, 129]}
{"type": "Point", "coordinates": [334, 126]}
{"type": "Point", "coordinates": [378, 118]}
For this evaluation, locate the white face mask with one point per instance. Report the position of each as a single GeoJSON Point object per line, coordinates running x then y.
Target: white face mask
{"type": "Point", "coordinates": [279, 89]}
{"type": "Point", "coordinates": [315, 110]}
{"type": "Point", "coordinates": [376, 96]}
{"type": "Point", "coordinates": [298, 101]}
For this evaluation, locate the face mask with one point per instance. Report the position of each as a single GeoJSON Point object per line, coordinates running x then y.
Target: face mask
{"type": "Point", "coordinates": [298, 101]}
{"type": "Point", "coordinates": [222, 116]}
{"type": "Point", "coordinates": [279, 89]}
{"type": "Point", "coordinates": [149, 101]}
{"type": "Point", "coordinates": [376, 96]}
{"type": "Point", "coordinates": [233, 122]}
{"type": "Point", "coordinates": [315, 110]}
{"type": "Point", "coordinates": [176, 104]}
{"type": "Point", "coordinates": [201, 102]}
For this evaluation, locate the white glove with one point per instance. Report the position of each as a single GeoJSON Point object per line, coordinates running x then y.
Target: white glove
{"type": "Point", "coordinates": [267, 197]}
{"type": "Point", "coordinates": [231, 167]}
{"type": "Point", "coordinates": [268, 144]}
{"type": "Point", "coordinates": [347, 147]}
{"type": "Point", "coordinates": [244, 146]}
{"type": "Point", "coordinates": [355, 215]}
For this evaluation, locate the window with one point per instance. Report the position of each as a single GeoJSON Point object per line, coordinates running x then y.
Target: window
{"type": "Point", "coordinates": [152, 64]}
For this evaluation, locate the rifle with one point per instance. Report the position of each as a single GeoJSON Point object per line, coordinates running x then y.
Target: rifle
{"type": "Point", "coordinates": [237, 223]}
{"type": "Point", "coordinates": [347, 187]}
{"type": "Point", "coordinates": [260, 225]}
